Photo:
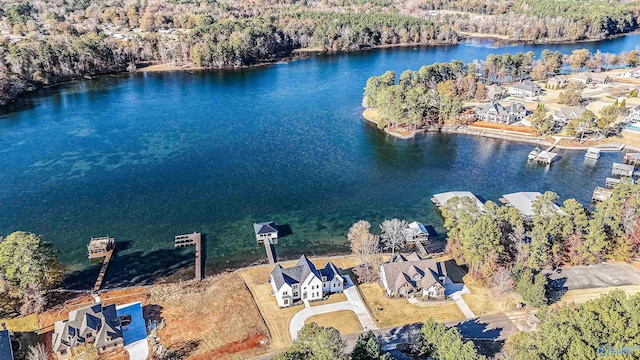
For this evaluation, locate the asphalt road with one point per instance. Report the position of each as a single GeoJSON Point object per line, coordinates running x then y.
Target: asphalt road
{"type": "Point", "coordinates": [594, 276]}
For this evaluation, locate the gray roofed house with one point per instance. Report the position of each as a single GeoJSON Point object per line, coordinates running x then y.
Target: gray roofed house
{"type": "Point", "coordinates": [495, 92]}
{"type": "Point", "coordinates": [495, 112]}
{"type": "Point", "coordinates": [600, 78]}
{"type": "Point", "coordinates": [525, 88]}
{"type": "Point", "coordinates": [6, 351]}
{"type": "Point", "coordinates": [266, 231]}
{"type": "Point", "coordinates": [558, 82]}
{"type": "Point", "coordinates": [408, 276]}
{"type": "Point", "coordinates": [304, 282]}
{"type": "Point", "coordinates": [582, 77]}
{"type": "Point", "coordinates": [95, 324]}
{"type": "Point", "coordinates": [566, 114]}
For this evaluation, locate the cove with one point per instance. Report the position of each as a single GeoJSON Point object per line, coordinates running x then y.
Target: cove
{"type": "Point", "coordinates": [146, 156]}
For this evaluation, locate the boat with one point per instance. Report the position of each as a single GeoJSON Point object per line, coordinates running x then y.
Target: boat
{"type": "Point", "coordinates": [534, 153]}
{"type": "Point", "coordinates": [592, 153]}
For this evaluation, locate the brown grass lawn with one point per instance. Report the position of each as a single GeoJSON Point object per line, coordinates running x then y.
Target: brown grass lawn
{"type": "Point", "coordinates": [333, 298]}
{"type": "Point", "coordinates": [399, 312]}
{"type": "Point", "coordinates": [277, 319]}
{"type": "Point", "coordinates": [371, 115]}
{"type": "Point", "coordinates": [214, 319]}
{"type": "Point", "coordinates": [482, 301]}
{"type": "Point", "coordinates": [22, 323]}
{"type": "Point", "coordinates": [344, 321]}
{"type": "Point", "coordinates": [583, 295]}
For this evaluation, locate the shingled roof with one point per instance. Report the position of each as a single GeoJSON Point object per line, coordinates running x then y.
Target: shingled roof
{"type": "Point", "coordinates": [265, 227]}
{"type": "Point", "coordinates": [417, 273]}
{"type": "Point", "coordinates": [101, 319]}
{"type": "Point", "coordinates": [295, 274]}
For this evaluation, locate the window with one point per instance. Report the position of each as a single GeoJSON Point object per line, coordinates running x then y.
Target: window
{"type": "Point", "coordinates": [286, 301]}
{"type": "Point", "coordinates": [324, 278]}
{"type": "Point", "coordinates": [89, 335]}
{"type": "Point", "coordinates": [284, 293]}
{"type": "Point", "coordinates": [295, 294]}
{"type": "Point", "coordinates": [63, 352]}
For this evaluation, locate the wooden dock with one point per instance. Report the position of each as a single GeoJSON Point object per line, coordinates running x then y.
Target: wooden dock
{"type": "Point", "coordinates": [547, 156]}
{"type": "Point", "coordinates": [103, 270]}
{"type": "Point", "coordinates": [270, 250]}
{"type": "Point", "coordinates": [421, 250]}
{"type": "Point", "coordinates": [194, 239]}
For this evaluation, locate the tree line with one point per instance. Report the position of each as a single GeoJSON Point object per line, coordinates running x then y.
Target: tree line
{"type": "Point", "coordinates": [532, 20]}
{"type": "Point", "coordinates": [59, 41]}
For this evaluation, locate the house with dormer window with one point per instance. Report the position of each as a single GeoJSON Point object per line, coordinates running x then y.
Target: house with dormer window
{"type": "Point", "coordinates": [96, 324]}
{"type": "Point", "coordinates": [411, 275]}
{"type": "Point", "coordinates": [304, 282]}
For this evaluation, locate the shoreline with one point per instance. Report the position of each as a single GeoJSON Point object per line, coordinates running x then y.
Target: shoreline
{"type": "Point", "coordinates": [294, 55]}
{"type": "Point", "coordinates": [368, 115]}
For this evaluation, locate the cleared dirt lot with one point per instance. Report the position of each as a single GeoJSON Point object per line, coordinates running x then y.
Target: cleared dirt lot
{"type": "Point", "coordinates": [595, 276]}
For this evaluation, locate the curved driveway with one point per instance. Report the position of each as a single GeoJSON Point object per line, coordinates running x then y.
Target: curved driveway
{"type": "Point", "coordinates": [354, 303]}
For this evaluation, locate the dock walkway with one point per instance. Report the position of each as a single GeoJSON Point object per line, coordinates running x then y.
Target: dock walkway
{"type": "Point", "coordinates": [103, 270]}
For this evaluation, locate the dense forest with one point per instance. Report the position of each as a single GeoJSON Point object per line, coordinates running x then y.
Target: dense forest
{"type": "Point", "coordinates": [46, 42]}
{"type": "Point", "coordinates": [534, 20]}
{"type": "Point", "coordinates": [434, 94]}
{"type": "Point", "coordinates": [51, 42]}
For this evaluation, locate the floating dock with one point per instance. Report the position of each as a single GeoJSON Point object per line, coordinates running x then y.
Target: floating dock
{"type": "Point", "coordinates": [101, 247]}
{"type": "Point", "coordinates": [592, 153]}
{"type": "Point", "coordinates": [546, 157]}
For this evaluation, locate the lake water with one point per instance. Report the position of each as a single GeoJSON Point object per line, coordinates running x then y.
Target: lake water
{"type": "Point", "coordinates": [147, 156]}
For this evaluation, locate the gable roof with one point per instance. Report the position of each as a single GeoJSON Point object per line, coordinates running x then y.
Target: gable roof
{"type": "Point", "coordinates": [526, 85]}
{"type": "Point", "coordinates": [415, 228]}
{"type": "Point", "coordinates": [295, 274]}
{"type": "Point", "coordinates": [98, 318]}
{"type": "Point", "coordinates": [570, 113]}
{"type": "Point", "coordinates": [330, 271]}
{"type": "Point", "coordinates": [399, 274]}
{"type": "Point", "coordinates": [265, 227]}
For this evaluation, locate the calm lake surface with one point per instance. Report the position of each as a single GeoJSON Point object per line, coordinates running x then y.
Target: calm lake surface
{"type": "Point", "coordinates": [147, 156]}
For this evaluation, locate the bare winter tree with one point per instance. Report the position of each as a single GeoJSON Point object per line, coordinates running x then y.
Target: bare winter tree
{"type": "Point", "coordinates": [366, 246]}
{"type": "Point", "coordinates": [38, 352]}
{"type": "Point", "coordinates": [33, 300]}
{"type": "Point", "coordinates": [502, 280]}
{"type": "Point", "coordinates": [392, 235]}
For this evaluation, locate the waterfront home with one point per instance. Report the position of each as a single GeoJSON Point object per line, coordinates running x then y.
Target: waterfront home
{"type": "Point", "coordinates": [525, 89]}
{"type": "Point", "coordinates": [410, 276]}
{"type": "Point", "coordinates": [566, 114]}
{"type": "Point", "coordinates": [584, 78]}
{"type": "Point", "coordinates": [600, 78]}
{"type": "Point", "coordinates": [441, 199]}
{"type": "Point", "coordinates": [416, 232]}
{"type": "Point", "coordinates": [634, 115]}
{"type": "Point", "coordinates": [304, 282]}
{"type": "Point", "coordinates": [495, 92]}
{"type": "Point", "coordinates": [6, 350]}
{"type": "Point", "coordinates": [558, 82]}
{"type": "Point", "coordinates": [495, 112]}
{"type": "Point", "coordinates": [96, 324]}
{"type": "Point", "coordinates": [523, 202]}
{"type": "Point", "coordinates": [266, 231]}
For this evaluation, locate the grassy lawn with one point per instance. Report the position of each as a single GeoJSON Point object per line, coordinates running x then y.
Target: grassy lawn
{"type": "Point", "coordinates": [371, 115]}
{"type": "Point", "coordinates": [277, 319]}
{"type": "Point", "coordinates": [333, 298]}
{"type": "Point", "coordinates": [483, 302]}
{"type": "Point", "coordinates": [399, 312]}
{"type": "Point", "coordinates": [584, 295]}
{"type": "Point", "coordinates": [212, 319]}
{"type": "Point", "coordinates": [344, 321]}
{"type": "Point", "coordinates": [22, 323]}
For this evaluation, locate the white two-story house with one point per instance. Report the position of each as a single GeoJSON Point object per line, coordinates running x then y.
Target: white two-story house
{"type": "Point", "coordinates": [304, 282]}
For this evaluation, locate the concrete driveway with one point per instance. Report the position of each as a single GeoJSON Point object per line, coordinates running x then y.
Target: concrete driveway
{"type": "Point", "coordinates": [354, 303]}
{"type": "Point", "coordinates": [594, 276]}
